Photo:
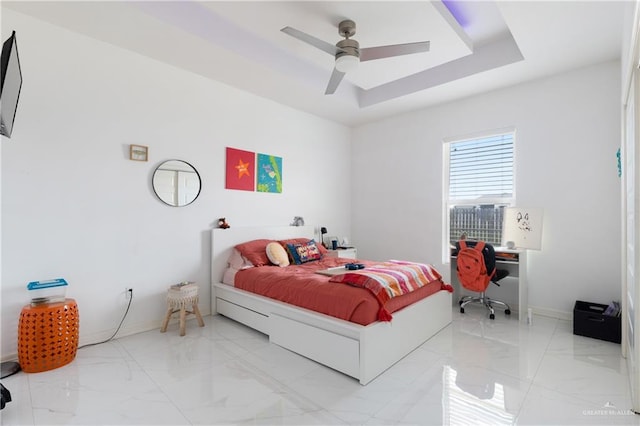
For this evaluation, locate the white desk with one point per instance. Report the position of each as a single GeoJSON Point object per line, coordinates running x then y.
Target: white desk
{"type": "Point", "coordinates": [513, 289]}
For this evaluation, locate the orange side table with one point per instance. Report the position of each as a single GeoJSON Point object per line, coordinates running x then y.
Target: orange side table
{"type": "Point", "coordinates": [48, 335]}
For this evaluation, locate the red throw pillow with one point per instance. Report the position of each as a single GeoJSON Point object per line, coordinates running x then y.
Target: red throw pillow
{"type": "Point", "coordinates": [255, 251]}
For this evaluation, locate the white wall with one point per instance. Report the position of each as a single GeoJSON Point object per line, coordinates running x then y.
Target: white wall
{"type": "Point", "coordinates": [568, 131]}
{"type": "Point", "coordinates": [75, 206]}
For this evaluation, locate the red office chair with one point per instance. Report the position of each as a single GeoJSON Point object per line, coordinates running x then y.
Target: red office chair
{"type": "Point", "coordinates": [476, 269]}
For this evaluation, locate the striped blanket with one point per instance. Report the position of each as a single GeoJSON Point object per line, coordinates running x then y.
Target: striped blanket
{"type": "Point", "coordinates": [390, 279]}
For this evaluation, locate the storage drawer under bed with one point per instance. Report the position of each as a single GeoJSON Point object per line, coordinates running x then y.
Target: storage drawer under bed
{"type": "Point", "coordinates": [331, 349]}
{"type": "Point", "coordinates": [250, 318]}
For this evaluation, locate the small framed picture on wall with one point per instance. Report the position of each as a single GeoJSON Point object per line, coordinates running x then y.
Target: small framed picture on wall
{"type": "Point", "coordinates": [138, 152]}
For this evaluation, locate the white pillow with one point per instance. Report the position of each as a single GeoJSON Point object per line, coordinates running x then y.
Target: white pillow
{"type": "Point", "coordinates": [238, 261]}
{"type": "Point", "coordinates": [277, 254]}
{"type": "Point", "coordinates": [229, 276]}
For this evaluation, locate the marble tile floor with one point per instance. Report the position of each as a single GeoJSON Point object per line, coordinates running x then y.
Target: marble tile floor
{"type": "Point", "coordinates": [475, 371]}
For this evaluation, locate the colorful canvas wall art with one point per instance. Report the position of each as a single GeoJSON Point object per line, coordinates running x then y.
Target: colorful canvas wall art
{"type": "Point", "coordinates": [241, 168]}
{"type": "Point", "coordinates": [269, 173]}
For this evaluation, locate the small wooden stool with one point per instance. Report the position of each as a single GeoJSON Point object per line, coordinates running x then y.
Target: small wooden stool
{"type": "Point", "coordinates": [178, 297]}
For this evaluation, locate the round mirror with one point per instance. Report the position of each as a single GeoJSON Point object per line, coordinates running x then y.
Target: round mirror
{"type": "Point", "coordinates": [176, 183]}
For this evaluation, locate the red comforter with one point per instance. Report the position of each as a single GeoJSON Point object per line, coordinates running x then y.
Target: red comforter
{"type": "Point", "coordinates": [300, 285]}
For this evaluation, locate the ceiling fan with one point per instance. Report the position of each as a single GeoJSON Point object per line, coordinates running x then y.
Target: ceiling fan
{"type": "Point", "coordinates": [348, 52]}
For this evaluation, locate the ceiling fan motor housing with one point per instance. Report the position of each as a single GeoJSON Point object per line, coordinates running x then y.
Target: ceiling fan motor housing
{"type": "Point", "coordinates": [346, 29]}
{"type": "Point", "coordinates": [348, 48]}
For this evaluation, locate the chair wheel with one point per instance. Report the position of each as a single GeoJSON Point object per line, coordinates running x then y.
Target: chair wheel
{"type": "Point", "coordinates": [462, 310]}
{"type": "Point", "coordinates": [507, 312]}
{"type": "Point", "coordinates": [492, 316]}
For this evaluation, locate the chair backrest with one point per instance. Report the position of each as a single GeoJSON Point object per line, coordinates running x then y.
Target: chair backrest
{"type": "Point", "coordinates": [476, 265]}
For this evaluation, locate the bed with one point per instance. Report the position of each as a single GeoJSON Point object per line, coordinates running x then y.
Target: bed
{"type": "Point", "coordinates": [360, 351]}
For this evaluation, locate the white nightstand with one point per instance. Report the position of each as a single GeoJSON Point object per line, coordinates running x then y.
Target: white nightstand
{"type": "Point", "coordinates": [349, 253]}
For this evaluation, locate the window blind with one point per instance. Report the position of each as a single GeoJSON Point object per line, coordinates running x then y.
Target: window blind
{"type": "Point", "coordinates": [481, 168]}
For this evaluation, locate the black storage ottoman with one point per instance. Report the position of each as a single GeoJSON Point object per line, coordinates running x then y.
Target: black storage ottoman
{"type": "Point", "coordinates": [589, 321]}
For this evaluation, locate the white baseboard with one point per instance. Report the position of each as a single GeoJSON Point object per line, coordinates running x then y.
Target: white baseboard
{"type": "Point", "coordinates": [128, 330]}
{"type": "Point", "coordinates": [140, 327]}
{"type": "Point", "coordinates": [552, 313]}
{"type": "Point", "coordinates": [124, 331]}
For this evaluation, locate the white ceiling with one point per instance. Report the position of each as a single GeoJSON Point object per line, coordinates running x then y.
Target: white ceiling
{"type": "Point", "coordinates": [476, 46]}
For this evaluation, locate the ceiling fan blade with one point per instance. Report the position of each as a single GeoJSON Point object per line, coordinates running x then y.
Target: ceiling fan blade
{"type": "Point", "coordinates": [334, 81]}
{"type": "Point", "coordinates": [316, 42]}
{"type": "Point", "coordinates": [379, 52]}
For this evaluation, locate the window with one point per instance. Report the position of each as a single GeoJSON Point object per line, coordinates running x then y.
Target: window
{"type": "Point", "coordinates": [479, 180]}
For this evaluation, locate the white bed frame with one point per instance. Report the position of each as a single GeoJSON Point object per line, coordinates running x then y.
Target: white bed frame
{"type": "Point", "coordinates": [362, 352]}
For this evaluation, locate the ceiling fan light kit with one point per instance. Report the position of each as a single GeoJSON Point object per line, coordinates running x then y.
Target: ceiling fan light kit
{"type": "Point", "coordinates": [347, 63]}
{"type": "Point", "coordinates": [347, 51]}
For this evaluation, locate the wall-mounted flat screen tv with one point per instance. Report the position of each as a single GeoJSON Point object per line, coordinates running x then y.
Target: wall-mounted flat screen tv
{"type": "Point", "coordinates": [10, 85]}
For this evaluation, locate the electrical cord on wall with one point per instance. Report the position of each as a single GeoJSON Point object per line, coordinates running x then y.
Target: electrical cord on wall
{"type": "Point", "coordinates": [119, 325]}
